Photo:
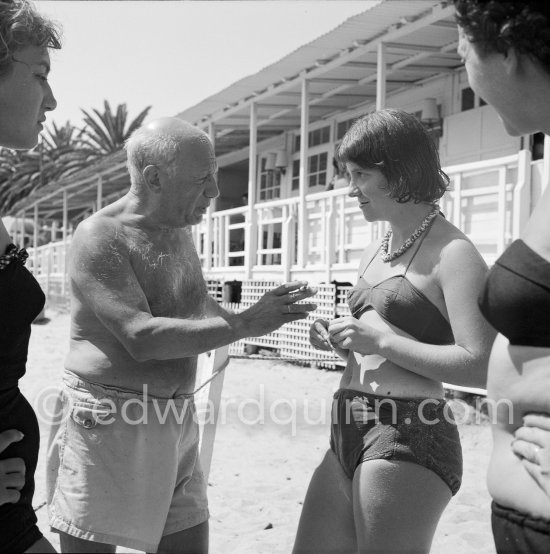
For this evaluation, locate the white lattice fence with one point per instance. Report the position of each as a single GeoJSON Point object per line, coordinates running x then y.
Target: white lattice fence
{"type": "Point", "coordinates": [342, 309]}
{"type": "Point", "coordinates": [235, 348]}
{"type": "Point", "coordinates": [251, 292]}
{"type": "Point", "coordinates": [294, 337]}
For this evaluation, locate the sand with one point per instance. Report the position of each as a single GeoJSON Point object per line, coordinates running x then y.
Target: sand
{"type": "Point", "coordinates": [260, 471]}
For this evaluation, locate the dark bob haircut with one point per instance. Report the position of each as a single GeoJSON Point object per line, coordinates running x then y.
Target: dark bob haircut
{"type": "Point", "coordinates": [496, 26]}
{"type": "Point", "coordinates": [20, 26]}
{"type": "Point", "coordinates": [397, 144]}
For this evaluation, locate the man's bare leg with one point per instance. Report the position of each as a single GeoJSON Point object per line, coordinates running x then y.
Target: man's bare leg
{"type": "Point", "coordinates": [190, 541]}
{"type": "Point", "coordinates": [80, 546]}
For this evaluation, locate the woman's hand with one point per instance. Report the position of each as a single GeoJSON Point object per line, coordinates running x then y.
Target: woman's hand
{"type": "Point", "coordinates": [351, 334]}
{"type": "Point", "coordinates": [12, 470]}
{"type": "Point", "coordinates": [319, 336]}
{"type": "Point", "coordinates": [532, 444]}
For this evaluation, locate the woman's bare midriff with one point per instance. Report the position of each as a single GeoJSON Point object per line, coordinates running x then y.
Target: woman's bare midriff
{"type": "Point", "coordinates": [519, 381]}
{"type": "Point", "coordinates": [374, 374]}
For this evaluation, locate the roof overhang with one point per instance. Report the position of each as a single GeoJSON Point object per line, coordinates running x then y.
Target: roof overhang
{"type": "Point", "coordinates": [420, 38]}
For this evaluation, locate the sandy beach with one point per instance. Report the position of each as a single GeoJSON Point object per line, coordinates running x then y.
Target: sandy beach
{"type": "Point", "coordinates": [262, 461]}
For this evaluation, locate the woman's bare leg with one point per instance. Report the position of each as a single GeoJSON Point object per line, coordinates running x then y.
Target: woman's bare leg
{"type": "Point", "coordinates": [397, 506]}
{"type": "Point", "coordinates": [326, 523]}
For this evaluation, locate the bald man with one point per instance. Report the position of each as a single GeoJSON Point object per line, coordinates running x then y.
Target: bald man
{"type": "Point", "coordinates": [124, 464]}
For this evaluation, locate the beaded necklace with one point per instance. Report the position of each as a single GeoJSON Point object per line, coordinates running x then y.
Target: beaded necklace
{"type": "Point", "coordinates": [388, 257]}
{"type": "Point", "coordinates": [13, 254]}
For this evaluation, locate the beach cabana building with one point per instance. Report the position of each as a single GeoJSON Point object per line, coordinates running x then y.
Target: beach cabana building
{"type": "Point", "coordinates": [275, 133]}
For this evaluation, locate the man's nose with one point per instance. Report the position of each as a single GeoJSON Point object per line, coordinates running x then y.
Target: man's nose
{"type": "Point", "coordinates": [212, 190]}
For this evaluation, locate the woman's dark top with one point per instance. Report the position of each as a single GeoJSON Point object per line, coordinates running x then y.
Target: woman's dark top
{"type": "Point", "coordinates": [21, 300]}
{"type": "Point", "coordinates": [516, 297]}
{"type": "Point", "coordinates": [400, 303]}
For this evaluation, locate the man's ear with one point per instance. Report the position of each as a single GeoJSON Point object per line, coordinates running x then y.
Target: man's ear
{"type": "Point", "coordinates": [151, 176]}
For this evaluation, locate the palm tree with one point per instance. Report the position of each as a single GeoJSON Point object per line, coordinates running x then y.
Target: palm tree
{"type": "Point", "coordinates": [63, 151]}
{"type": "Point", "coordinates": [59, 153]}
{"type": "Point", "coordinates": [107, 132]}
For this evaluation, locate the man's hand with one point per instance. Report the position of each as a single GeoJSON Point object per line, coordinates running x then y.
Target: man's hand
{"type": "Point", "coordinates": [319, 336]}
{"type": "Point", "coordinates": [351, 334]}
{"type": "Point", "coordinates": [532, 444]}
{"type": "Point", "coordinates": [277, 307]}
{"type": "Point", "coordinates": [12, 470]}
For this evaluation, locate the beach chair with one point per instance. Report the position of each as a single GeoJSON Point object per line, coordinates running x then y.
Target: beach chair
{"type": "Point", "coordinates": [212, 365]}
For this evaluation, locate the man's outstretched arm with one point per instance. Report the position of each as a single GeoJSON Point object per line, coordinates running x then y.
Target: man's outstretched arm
{"type": "Point", "coordinates": [101, 270]}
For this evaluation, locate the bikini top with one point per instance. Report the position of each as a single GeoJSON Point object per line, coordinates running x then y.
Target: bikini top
{"type": "Point", "coordinates": [400, 303]}
{"type": "Point", "coordinates": [21, 300]}
{"type": "Point", "coordinates": [516, 297]}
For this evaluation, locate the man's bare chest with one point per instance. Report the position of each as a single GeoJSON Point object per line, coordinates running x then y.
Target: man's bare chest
{"type": "Point", "coordinates": [171, 277]}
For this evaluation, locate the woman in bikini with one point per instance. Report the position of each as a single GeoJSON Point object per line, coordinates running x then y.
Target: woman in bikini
{"type": "Point", "coordinates": [506, 50]}
{"type": "Point", "coordinates": [395, 458]}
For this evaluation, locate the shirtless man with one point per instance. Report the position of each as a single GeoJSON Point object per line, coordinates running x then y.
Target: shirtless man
{"type": "Point", "coordinates": [124, 473]}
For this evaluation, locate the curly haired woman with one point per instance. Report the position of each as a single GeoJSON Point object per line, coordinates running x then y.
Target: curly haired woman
{"type": "Point", "coordinates": [25, 97]}
{"type": "Point", "coordinates": [506, 51]}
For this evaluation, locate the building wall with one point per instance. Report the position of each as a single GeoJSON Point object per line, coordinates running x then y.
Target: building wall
{"type": "Point", "coordinates": [471, 135]}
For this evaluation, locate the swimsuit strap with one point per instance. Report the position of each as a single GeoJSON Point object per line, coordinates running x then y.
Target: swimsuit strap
{"type": "Point", "coordinates": [361, 273]}
{"type": "Point", "coordinates": [418, 246]}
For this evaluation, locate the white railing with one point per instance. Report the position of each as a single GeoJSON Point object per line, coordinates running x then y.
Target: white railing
{"type": "Point", "coordinates": [488, 200]}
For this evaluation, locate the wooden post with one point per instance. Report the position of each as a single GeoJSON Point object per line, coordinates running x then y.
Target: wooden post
{"type": "Point", "coordinates": [302, 212]}
{"type": "Point", "coordinates": [208, 232]}
{"type": "Point", "coordinates": [65, 225]}
{"type": "Point", "coordinates": [22, 229]}
{"type": "Point", "coordinates": [99, 201]}
{"type": "Point", "coordinates": [522, 193]}
{"type": "Point", "coordinates": [501, 211]}
{"type": "Point", "coordinates": [250, 219]}
{"type": "Point", "coordinates": [35, 241]}
{"type": "Point", "coordinates": [381, 77]}
{"type": "Point", "coordinates": [546, 164]}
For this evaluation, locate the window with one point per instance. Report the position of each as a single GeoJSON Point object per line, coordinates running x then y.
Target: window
{"type": "Point", "coordinates": [296, 174]}
{"type": "Point", "coordinates": [467, 99]}
{"type": "Point", "coordinates": [470, 100]}
{"type": "Point", "coordinates": [343, 127]}
{"type": "Point", "coordinates": [270, 182]}
{"type": "Point", "coordinates": [315, 138]}
{"type": "Point", "coordinates": [319, 136]}
{"type": "Point", "coordinates": [537, 146]}
{"type": "Point", "coordinates": [317, 170]}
